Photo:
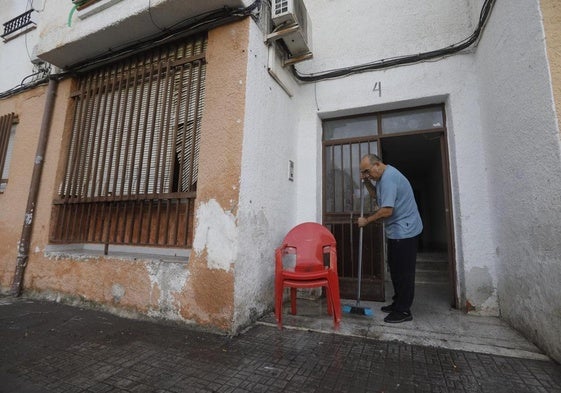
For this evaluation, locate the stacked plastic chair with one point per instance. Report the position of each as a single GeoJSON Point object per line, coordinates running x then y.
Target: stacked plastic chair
{"type": "Point", "coordinates": [315, 265]}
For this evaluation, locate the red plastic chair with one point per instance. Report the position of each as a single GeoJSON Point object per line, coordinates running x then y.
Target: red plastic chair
{"type": "Point", "coordinates": [309, 242]}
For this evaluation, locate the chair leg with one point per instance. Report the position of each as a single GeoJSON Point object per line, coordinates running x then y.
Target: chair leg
{"type": "Point", "coordinates": [278, 302]}
{"type": "Point", "coordinates": [335, 298]}
{"type": "Point", "coordinates": [293, 301]}
{"type": "Point", "coordinates": [328, 296]}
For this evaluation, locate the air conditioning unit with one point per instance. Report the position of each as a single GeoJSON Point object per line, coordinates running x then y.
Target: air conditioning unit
{"type": "Point", "coordinates": [291, 20]}
{"type": "Point", "coordinates": [288, 12]}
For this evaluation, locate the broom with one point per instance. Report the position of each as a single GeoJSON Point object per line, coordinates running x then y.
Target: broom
{"type": "Point", "coordinates": [357, 309]}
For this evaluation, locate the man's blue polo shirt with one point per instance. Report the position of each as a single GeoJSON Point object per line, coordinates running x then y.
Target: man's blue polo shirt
{"type": "Point", "coordinates": [394, 190]}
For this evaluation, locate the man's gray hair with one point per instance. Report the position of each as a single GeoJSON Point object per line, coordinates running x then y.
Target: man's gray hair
{"type": "Point", "coordinates": [373, 158]}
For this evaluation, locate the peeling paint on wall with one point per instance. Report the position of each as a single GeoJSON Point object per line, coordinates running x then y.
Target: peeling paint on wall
{"type": "Point", "coordinates": [118, 291]}
{"type": "Point", "coordinates": [481, 291]}
{"type": "Point", "coordinates": [217, 233]}
{"type": "Point", "coordinates": [166, 279]}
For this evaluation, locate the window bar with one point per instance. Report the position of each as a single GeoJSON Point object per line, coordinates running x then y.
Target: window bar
{"type": "Point", "coordinates": [172, 186]}
{"type": "Point", "coordinates": [98, 167]}
{"type": "Point", "coordinates": [140, 86]}
{"type": "Point", "coordinates": [169, 145]}
{"type": "Point", "coordinates": [341, 163]}
{"type": "Point", "coordinates": [186, 187]}
{"type": "Point", "coordinates": [332, 171]}
{"type": "Point", "coordinates": [6, 123]}
{"type": "Point", "coordinates": [107, 114]}
{"type": "Point", "coordinates": [176, 226]}
{"type": "Point", "coordinates": [100, 130]}
{"type": "Point", "coordinates": [133, 161]}
{"type": "Point", "coordinates": [78, 164]}
{"type": "Point", "coordinates": [158, 183]}
{"type": "Point", "coordinates": [158, 76]}
{"type": "Point", "coordinates": [150, 145]}
{"type": "Point", "coordinates": [91, 133]}
{"type": "Point", "coordinates": [198, 66]}
{"type": "Point", "coordinates": [181, 178]}
{"type": "Point", "coordinates": [163, 216]}
{"type": "Point", "coordinates": [121, 228]}
{"type": "Point", "coordinates": [188, 209]}
{"type": "Point", "coordinates": [178, 156]}
{"type": "Point", "coordinates": [105, 169]}
{"type": "Point", "coordinates": [166, 118]}
{"type": "Point", "coordinates": [352, 149]}
{"type": "Point", "coordinates": [154, 75]}
{"type": "Point", "coordinates": [158, 189]}
{"type": "Point", "coordinates": [114, 133]}
{"type": "Point", "coordinates": [88, 226]}
{"type": "Point", "coordinates": [82, 153]}
{"type": "Point", "coordinates": [151, 76]}
{"type": "Point", "coordinates": [120, 134]}
{"type": "Point", "coordinates": [111, 169]}
{"type": "Point", "coordinates": [94, 159]}
{"type": "Point", "coordinates": [132, 109]}
{"type": "Point", "coordinates": [74, 145]}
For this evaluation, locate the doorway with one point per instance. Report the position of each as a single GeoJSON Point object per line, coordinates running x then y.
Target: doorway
{"type": "Point", "coordinates": [419, 158]}
{"type": "Point", "coordinates": [415, 142]}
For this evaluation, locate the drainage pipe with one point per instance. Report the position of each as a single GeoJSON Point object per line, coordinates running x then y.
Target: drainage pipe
{"type": "Point", "coordinates": [25, 240]}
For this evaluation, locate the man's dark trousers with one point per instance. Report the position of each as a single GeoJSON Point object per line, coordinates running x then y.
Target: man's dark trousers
{"type": "Point", "coordinates": [402, 257]}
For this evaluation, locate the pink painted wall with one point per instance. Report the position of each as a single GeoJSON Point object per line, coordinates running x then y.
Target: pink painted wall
{"type": "Point", "coordinates": [188, 291]}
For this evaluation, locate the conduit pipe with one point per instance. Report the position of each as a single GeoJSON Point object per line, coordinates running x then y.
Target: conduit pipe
{"type": "Point", "coordinates": [25, 240]}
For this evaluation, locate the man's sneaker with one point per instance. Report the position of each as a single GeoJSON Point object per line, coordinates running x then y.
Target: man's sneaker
{"type": "Point", "coordinates": [389, 308]}
{"type": "Point", "coordinates": [398, 317]}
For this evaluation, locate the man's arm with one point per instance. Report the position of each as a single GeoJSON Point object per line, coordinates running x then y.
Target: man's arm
{"type": "Point", "coordinates": [379, 215]}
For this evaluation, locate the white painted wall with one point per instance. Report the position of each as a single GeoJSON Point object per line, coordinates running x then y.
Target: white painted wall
{"type": "Point", "coordinates": [267, 202]}
{"type": "Point", "coordinates": [522, 149]}
{"type": "Point", "coordinates": [16, 54]}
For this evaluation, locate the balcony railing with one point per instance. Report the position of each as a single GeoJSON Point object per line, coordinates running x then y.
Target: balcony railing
{"type": "Point", "coordinates": [18, 23]}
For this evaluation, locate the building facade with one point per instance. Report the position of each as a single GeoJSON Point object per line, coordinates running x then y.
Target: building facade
{"type": "Point", "coordinates": [179, 150]}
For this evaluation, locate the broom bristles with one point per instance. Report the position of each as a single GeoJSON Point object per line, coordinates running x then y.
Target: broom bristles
{"type": "Point", "coordinates": [358, 310]}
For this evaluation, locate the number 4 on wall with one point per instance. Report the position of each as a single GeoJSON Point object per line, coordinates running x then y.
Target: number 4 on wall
{"type": "Point", "coordinates": [378, 88]}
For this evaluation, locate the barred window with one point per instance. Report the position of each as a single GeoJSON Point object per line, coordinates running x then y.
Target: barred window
{"type": "Point", "coordinates": [132, 161]}
{"type": "Point", "coordinates": [7, 134]}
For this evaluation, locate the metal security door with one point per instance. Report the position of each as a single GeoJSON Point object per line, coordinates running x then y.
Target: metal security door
{"type": "Point", "coordinates": [341, 206]}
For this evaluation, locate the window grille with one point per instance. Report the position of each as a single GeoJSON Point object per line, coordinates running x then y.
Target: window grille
{"type": "Point", "coordinates": [132, 163]}
{"type": "Point", "coordinates": [7, 132]}
{"type": "Point", "coordinates": [18, 23]}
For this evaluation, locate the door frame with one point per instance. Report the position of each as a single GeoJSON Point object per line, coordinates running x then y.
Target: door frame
{"type": "Point", "coordinates": [446, 180]}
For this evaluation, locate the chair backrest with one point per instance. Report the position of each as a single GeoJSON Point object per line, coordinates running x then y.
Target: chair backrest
{"type": "Point", "coordinates": [309, 240]}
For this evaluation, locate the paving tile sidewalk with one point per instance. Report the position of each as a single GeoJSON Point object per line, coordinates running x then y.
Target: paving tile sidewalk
{"type": "Point", "coordinates": [50, 347]}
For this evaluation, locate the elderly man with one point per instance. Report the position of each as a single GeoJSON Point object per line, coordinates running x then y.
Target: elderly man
{"type": "Point", "coordinates": [398, 210]}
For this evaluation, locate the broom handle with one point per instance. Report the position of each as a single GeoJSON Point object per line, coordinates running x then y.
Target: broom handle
{"type": "Point", "coordinates": [360, 245]}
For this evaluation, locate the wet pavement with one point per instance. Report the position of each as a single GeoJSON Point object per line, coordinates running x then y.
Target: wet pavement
{"type": "Point", "coordinates": [50, 347]}
{"type": "Point", "coordinates": [435, 324]}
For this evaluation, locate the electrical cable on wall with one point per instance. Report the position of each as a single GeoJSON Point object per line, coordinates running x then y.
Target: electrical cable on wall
{"type": "Point", "coordinates": [403, 60]}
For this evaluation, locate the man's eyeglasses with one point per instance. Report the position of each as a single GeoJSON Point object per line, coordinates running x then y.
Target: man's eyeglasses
{"type": "Point", "coordinates": [365, 171]}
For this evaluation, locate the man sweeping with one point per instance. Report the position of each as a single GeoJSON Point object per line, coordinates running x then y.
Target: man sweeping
{"type": "Point", "coordinates": [398, 210]}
